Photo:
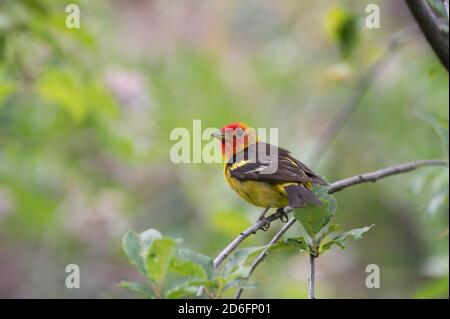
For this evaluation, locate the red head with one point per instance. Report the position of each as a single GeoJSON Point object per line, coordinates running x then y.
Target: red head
{"type": "Point", "coordinates": [235, 137]}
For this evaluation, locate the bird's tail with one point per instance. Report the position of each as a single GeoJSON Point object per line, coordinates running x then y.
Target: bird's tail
{"type": "Point", "coordinates": [299, 196]}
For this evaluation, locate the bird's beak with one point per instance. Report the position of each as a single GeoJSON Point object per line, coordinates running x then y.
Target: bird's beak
{"type": "Point", "coordinates": [217, 135]}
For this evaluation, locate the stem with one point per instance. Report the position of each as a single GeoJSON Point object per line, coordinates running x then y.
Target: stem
{"type": "Point", "coordinates": [312, 276]}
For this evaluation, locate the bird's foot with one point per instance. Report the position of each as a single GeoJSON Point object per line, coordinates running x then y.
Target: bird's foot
{"type": "Point", "coordinates": [284, 217]}
{"type": "Point", "coordinates": [266, 224]}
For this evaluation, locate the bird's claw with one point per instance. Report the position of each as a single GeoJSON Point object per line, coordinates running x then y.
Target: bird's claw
{"type": "Point", "coordinates": [284, 217]}
{"type": "Point", "coordinates": [266, 225]}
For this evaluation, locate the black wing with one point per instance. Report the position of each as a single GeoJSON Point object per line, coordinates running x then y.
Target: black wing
{"type": "Point", "coordinates": [262, 158]}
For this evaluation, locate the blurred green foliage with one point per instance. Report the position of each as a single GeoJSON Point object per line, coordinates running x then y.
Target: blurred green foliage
{"type": "Point", "coordinates": [85, 117]}
{"type": "Point", "coordinates": [341, 26]}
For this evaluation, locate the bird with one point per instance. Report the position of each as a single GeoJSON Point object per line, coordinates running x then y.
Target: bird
{"type": "Point", "coordinates": [249, 170]}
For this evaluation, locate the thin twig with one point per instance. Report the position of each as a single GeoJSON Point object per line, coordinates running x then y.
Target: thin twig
{"type": "Point", "coordinates": [381, 173]}
{"type": "Point", "coordinates": [361, 87]}
{"type": "Point", "coordinates": [263, 254]}
{"type": "Point", "coordinates": [312, 276]}
{"type": "Point", "coordinates": [334, 187]}
{"type": "Point", "coordinates": [246, 233]}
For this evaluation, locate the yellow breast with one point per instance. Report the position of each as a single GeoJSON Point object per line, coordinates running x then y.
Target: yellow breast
{"type": "Point", "coordinates": [260, 194]}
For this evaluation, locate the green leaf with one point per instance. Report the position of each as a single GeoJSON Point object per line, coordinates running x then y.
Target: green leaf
{"type": "Point", "coordinates": [240, 283]}
{"type": "Point", "coordinates": [298, 242]}
{"type": "Point", "coordinates": [339, 240]}
{"type": "Point", "coordinates": [158, 258]}
{"type": "Point", "coordinates": [138, 288]}
{"type": "Point", "coordinates": [331, 229]}
{"type": "Point", "coordinates": [187, 268]}
{"type": "Point", "coordinates": [203, 260]}
{"type": "Point", "coordinates": [278, 245]}
{"type": "Point", "coordinates": [131, 244]}
{"type": "Point", "coordinates": [315, 217]}
{"type": "Point", "coordinates": [239, 262]}
{"type": "Point", "coordinates": [180, 287]}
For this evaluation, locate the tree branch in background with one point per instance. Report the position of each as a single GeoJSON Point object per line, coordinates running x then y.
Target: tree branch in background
{"type": "Point", "coordinates": [361, 87]}
{"type": "Point", "coordinates": [430, 26]}
{"type": "Point", "coordinates": [334, 187]}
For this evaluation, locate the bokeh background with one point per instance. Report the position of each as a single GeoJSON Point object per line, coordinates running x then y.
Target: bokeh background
{"type": "Point", "coordinates": [85, 118]}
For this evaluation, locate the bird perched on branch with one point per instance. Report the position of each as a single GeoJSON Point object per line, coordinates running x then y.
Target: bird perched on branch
{"type": "Point", "coordinates": [263, 174]}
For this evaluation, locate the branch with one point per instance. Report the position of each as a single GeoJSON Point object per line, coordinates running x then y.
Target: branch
{"type": "Point", "coordinates": [381, 173]}
{"type": "Point", "coordinates": [239, 239]}
{"type": "Point", "coordinates": [352, 102]}
{"type": "Point", "coordinates": [334, 187]}
{"type": "Point", "coordinates": [430, 27]}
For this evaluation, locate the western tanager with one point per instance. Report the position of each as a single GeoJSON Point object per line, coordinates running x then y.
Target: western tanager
{"type": "Point", "coordinates": [248, 169]}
